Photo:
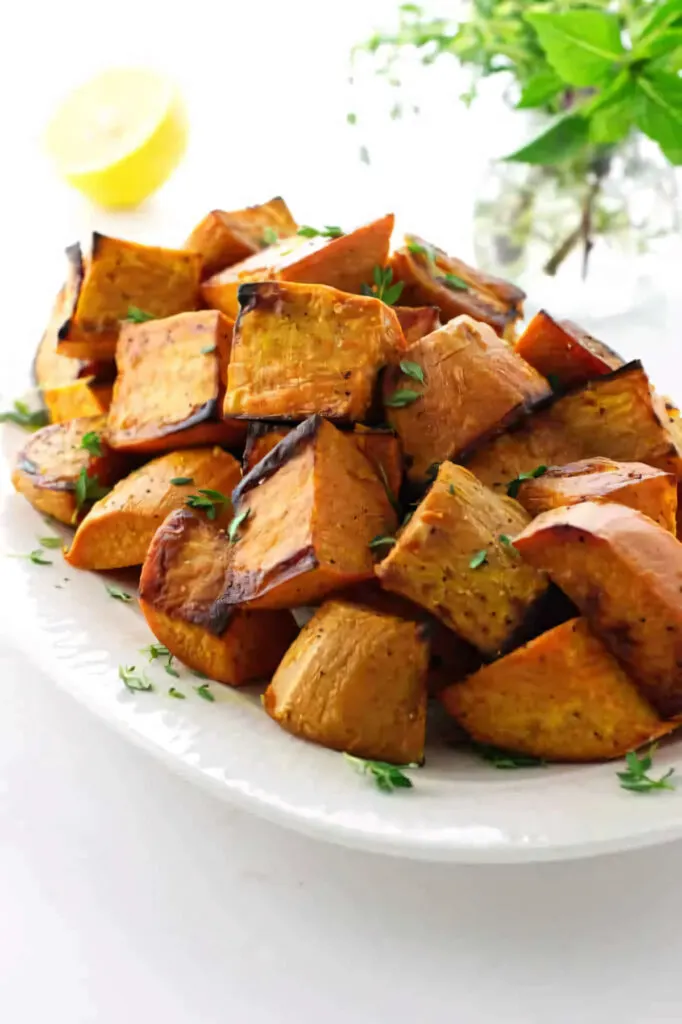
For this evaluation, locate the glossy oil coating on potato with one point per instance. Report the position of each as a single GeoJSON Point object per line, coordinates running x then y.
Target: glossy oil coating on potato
{"type": "Point", "coordinates": [454, 559]}
{"type": "Point", "coordinates": [300, 349]}
{"type": "Point", "coordinates": [432, 278]}
{"type": "Point", "coordinates": [118, 530]}
{"type": "Point", "coordinates": [355, 680]}
{"type": "Point", "coordinates": [624, 572]}
{"type": "Point", "coordinates": [634, 484]}
{"type": "Point", "coordinates": [51, 462]}
{"type": "Point", "coordinates": [417, 321]}
{"type": "Point", "coordinates": [118, 275]}
{"type": "Point", "coordinates": [223, 238]}
{"type": "Point", "coordinates": [181, 582]}
{"type": "Point", "coordinates": [564, 352]}
{"type": "Point", "coordinates": [346, 263]}
{"type": "Point", "coordinates": [81, 397]}
{"type": "Point", "coordinates": [312, 506]}
{"type": "Point", "coordinates": [169, 389]}
{"type": "Point", "coordinates": [474, 386]}
{"type": "Point", "coordinates": [617, 417]}
{"type": "Point", "coordinates": [50, 369]}
{"type": "Point", "coordinates": [562, 697]}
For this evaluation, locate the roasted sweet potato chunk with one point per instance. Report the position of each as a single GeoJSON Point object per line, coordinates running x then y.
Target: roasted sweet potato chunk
{"type": "Point", "coordinates": [562, 697]}
{"type": "Point", "coordinates": [116, 276]}
{"type": "Point", "coordinates": [355, 680]}
{"type": "Point", "coordinates": [50, 465]}
{"type": "Point", "coordinates": [417, 321]}
{"type": "Point", "coordinates": [346, 263]}
{"type": "Point", "coordinates": [624, 572]}
{"type": "Point", "coordinates": [81, 397]}
{"type": "Point", "coordinates": [181, 582]}
{"type": "Point", "coordinates": [50, 369]}
{"type": "Point", "coordinates": [300, 349]}
{"type": "Point", "coordinates": [474, 386]}
{"type": "Point", "coordinates": [222, 239]}
{"type": "Point", "coordinates": [169, 388]}
{"type": "Point", "coordinates": [564, 352]}
{"type": "Point", "coordinates": [118, 530]}
{"type": "Point", "coordinates": [617, 417]}
{"type": "Point", "coordinates": [432, 278]}
{"type": "Point", "coordinates": [454, 558]}
{"type": "Point", "coordinates": [634, 484]}
{"type": "Point", "coordinates": [308, 512]}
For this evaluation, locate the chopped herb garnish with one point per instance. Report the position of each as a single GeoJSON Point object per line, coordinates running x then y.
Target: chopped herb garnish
{"type": "Point", "coordinates": [389, 493]}
{"type": "Point", "coordinates": [88, 489]}
{"type": "Point", "coordinates": [422, 250]}
{"type": "Point", "coordinates": [451, 490]}
{"type": "Point", "coordinates": [402, 397]}
{"type": "Point", "coordinates": [51, 542]}
{"type": "Point", "coordinates": [172, 692]}
{"type": "Point", "coordinates": [382, 541]}
{"type": "Point", "coordinates": [207, 350]}
{"type": "Point", "coordinates": [383, 288]}
{"type": "Point", "coordinates": [270, 236]}
{"type": "Point", "coordinates": [328, 231]}
{"type": "Point", "coordinates": [478, 559]}
{"type": "Point", "coordinates": [635, 778]}
{"type": "Point", "coordinates": [507, 541]}
{"type": "Point", "coordinates": [154, 651]}
{"type": "Point", "coordinates": [407, 517]}
{"type": "Point", "coordinates": [351, 118]}
{"type": "Point", "coordinates": [180, 481]}
{"type": "Point", "coordinates": [432, 471]}
{"type": "Point", "coordinates": [513, 487]}
{"type": "Point", "coordinates": [386, 777]}
{"type": "Point", "coordinates": [211, 502]}
{"type": "Point", "coordinates": [134, 681]}
{"type": "Point", "coordinates": [198, 674]}
{"type": "Point", "coordinates": [36, 556]}
{"type": "Point", "coordinates": [118, 594]}
{"type": "Point", "coordinates": [237, 521]}
{"type": "Point", "coordinates": [92, 443]}
{"type": "Point", "coordinates": [454, 283]}
{"type": "Point", "coordinates": [138, 316]}
{"type": "Point", "coordinates": [413, 370]}
{"type": "Point", "coordinates": [25, 417]}
{"type": "Point", "coordinates": [204, 692]}
{"type": "Point", "coordinates": [507, 759]}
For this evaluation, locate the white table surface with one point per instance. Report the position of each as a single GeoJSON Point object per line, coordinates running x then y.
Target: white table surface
{"type": "Point", "coordinates": [128, 895]}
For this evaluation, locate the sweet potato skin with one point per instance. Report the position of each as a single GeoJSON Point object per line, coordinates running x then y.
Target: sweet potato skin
{"type": "Point", "coordinates": [423, 267]}
{"type": "Point", "coordinates": [417, 321]}
{"type": "Point", "coordinates": [300, 349]}
{"type": "Point", "coordinates": [345, 263]}
{"type": "Point", "coordinates": [634, 484]}
{"type": "Point", "coordinates": [117, 275]}
{"type": "Point", "coordinates": [50, 463]}
{"type": "Point", "coordinates": [624, 572]}
{"type": "Point", "coordinates": [561, 697]}
{"type": "Point", "coordinates": [615, 416]}
{"type": "Point", "coordinates": [80, 398]}
{"type": "Point", "coordinates": [436, 563]}
{"type": "Point", "coordinates": [180, 583]}
{"type": "Point", "coordinates": [564, 352]}
{"type": "Point", "coordinates": [169, 387]}
{"type": "Point", "coordinates": [223, 238]}
{"type": "Point", "coordinates": [118, 530]}
{"type": "Point", "coordinates": [474, 386]}
{"type": "Point", "coordinates": [354, 680]}
{"type": "Point", "coordinates": [50, 369]}
{"type": "Point", "coordinates": [314, 503]}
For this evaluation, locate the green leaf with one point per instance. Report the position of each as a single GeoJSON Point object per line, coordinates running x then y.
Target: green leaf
{"type": "Point", "coordinates": [413, 370]}
{"type": "Point", "coordinates": [204, 692]}
{"type": "Point", "coordinates": [664, 16]}
{"type": "Point", "coordinates": [133, 680]}
{"type": "Point", "coordinates": [507, 759]}
{"type": "Point", "coordinates": [118, 594]}
{"type": "Point", "coordinates": [180, 481]}
{"type": "Point", "coordinates": [88, 489]}
{"type": "Point", "coordinates": [612, 113]}
{"type": "Point", "coordinates": [92, 443]}
{"type": "Point", "coordinates": [399, 399]}
{"type": "Point", "coordinates": [386, 777]}
{"type": "Point", "coordinates": [391, 295]}
{"type": "Point", "coordinates": [478, 559]}
{"type": "Point", "coordinates": [582, 46]}
{"type": "Point", "coordinates": [635, 776]}
{"type": "Point", "coordinates": [233, 528]}
{"type": "Point", "coordinates": [380, 542]}
{"type": "Point", "coordinates": [138, 316]}
{"type": "Point", "coordinates": [539, 89]}
{"type": "Point", "coordinates": [329, 231]}
{"type": "Point", "coordinates": [659, 111]}
{"type": "Point", "coordinates": [559, 142]}
{"type": "Point", "coordinates": [514, 485]}
{"type": "Point", "coordinates": [172, 692]}
{"type": "Point", "coordinates": [51, 542]}
{"type": "Point", "coordinates": [454, 283]}
{"type": "Point", "coordinates": [270, 236]}
{"type": "Point", "coordinates": [25, 417]}
{"type": "Point", "coordinates": [659, 45]}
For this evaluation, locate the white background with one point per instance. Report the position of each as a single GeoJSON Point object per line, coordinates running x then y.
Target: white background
{"type": "Point", "coordinates": [126, 895]}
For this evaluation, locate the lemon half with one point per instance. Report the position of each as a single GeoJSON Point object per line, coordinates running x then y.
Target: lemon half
{"type": "Point", "coordinates": [119, 136]}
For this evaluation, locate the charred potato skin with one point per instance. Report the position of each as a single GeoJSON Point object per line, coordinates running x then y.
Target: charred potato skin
{"type": "Point", "coordinates": [624, 573]}
{"type": "Point", "coordinates": [50, 369]}
{"type": "Point", "coordinates": [225, 238]}
{"type": "Point", "coordinates": [562, 351]}
{"type": "Point", "coordinates": [561, 697]}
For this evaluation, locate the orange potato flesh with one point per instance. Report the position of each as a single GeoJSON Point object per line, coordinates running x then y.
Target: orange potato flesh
{"type": "Point", "coordinates": [634, 484]}
{"type": "Point", "coordinates": [354, 680]}
{"type": "Point", "coordinates": [474, 386]}
{"type": "Point", "coordinates": [424, 268]}
{"type": "Point", "coordinates": [314, 504]}
{"type": "Point", "coordinates": [180, 587]}
{"type": "Point", "coordinates": [417, 321]}
{"type": "Point", "coordinates": [222, 238]}
{"type": "Point", "coordinates": [563, 351]}
{"type": "Point", "coordinates": [118, 529]}
{"type": "Point", "coordinates": [562, 697]}
{"type": "Point", "coordinates": [300, 349]}
{"type": "Point", "coordinates": [624, 573]}
{"type": "Point", "coordinates": [50, 464]}
{"type": "Point", "coordinates": [168, 391]}
{"type": "Point", "coordinates": [345, 263]}
{"type": "Point", "coordinates": [115, 276]}
{"type": "Point", "coordinates": [437, 562]}
{"type": "Point", "coordinates": [80, 398]}
{"type": "Point", "coordinates": [617, 417]}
